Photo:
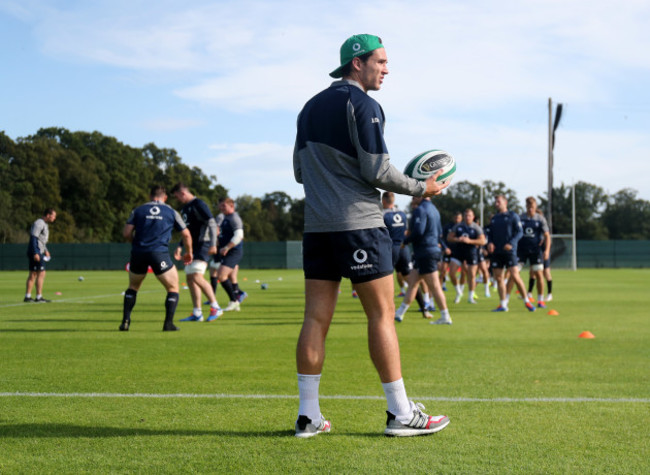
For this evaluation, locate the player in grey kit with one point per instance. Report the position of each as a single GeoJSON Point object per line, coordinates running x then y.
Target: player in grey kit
{"type": "Point", "coordinates": [38, 255]}
{"type": "Point", "coordinates": [149, 228]}
{"type": "Point", "coordinates": [341, 159]}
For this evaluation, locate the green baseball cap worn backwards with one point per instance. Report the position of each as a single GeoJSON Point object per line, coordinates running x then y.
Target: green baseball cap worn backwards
{"type": "Point", "coordinates": [354, 46]}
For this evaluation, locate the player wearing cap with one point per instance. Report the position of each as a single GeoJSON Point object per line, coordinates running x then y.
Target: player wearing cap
{"type": "Point", "coordinates": [341, 159]}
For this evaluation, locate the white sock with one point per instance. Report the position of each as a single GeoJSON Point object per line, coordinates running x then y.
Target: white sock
{"type": "Point", "coordinates": [214, 304]}
{"type": "Point", "coordinates": [540, 298]}
{"type": "Point", "coordinates": [398, 403]}
{"type": "Point", "coordinates": [38, 296]}
{"type": "Point", "coordinates": [445, 313]}
{"type": "Point", "coordinates": [459, 290]}
{"type": "Point", "coordinates": [28, 296]}
{"type": "Point", "coordinates": [504, 303]}
{"type": "Point", "coordinates": [427, 297]}
{"type": "Point", "coordinates": [462, 288]}
{"type": "Point", "coordinates": [402, 310]}
{"type": "Point", "coordinates": [197, 312]}
{"type": "Point", "coordinates": [308, 392]}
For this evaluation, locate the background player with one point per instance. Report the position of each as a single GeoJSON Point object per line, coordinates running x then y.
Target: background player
{"type": "Point", "coordinates": [38, 255]}
{"type": "Point", "coordinates": [505, 232]}
{"type": "Point", "coordinates": [468, 236]}
{"type": "Point", "coordinates": [203, 229]}
{"type": "Point", "coordinates": [535, 235]}
{"type": "Point", "coordinates": [149, 228]}
{"type": "Point", "coordinates": [231, 251]}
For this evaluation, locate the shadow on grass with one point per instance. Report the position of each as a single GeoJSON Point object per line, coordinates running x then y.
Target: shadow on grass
{"type": "Point", "coordinates": [53, 330]}
{"type": "Point", "coordinates": [45, 430]}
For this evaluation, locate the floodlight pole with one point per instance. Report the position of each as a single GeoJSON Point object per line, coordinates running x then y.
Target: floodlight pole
{"type": "Point", "coordinates": [549, 217]}
{"type": "Point", "coordinates": [481, 208]}
{"type": "Point", "coordinates": [574, 250]}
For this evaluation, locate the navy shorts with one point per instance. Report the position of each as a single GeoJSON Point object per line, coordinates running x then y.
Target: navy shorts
{"type": "Point", "coordinates": [531, 257]}
{"type": "Point", "coordinates": [232, 259]}
{"type": "Point", "coordinates": [361, 255]}
{"type": "Point", "coordinates": [160, 262]}
{"type": "Point", "coordinates": [427, 264]}
{"type": "Point", "coordinates": [547, 263]}
{"type": "Point", "coordinates": [469, 256]}
{"type": "Point", "coordinates": [503, 259]}
{"type": "Point", "coordinates": [402, 259]}
{"type": "Point", "coordinates": [36, 266]}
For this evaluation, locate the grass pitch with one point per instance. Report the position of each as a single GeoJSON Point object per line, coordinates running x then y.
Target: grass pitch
{"type": "Point", "coordinates": [523, 392]}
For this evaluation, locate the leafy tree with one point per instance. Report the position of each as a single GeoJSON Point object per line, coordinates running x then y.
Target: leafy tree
{"type": "Point", "coordinates": [626, 216]}
{"type": "Point", "coordinates": [591, 201]}
{"type": "Point", "coordinates": [257, 226]}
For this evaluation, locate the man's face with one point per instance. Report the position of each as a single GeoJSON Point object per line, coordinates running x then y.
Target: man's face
{"type": "Point", "coordinates": [226, 208]}
{"type": "Point", "coordinates": [469, 216]}
{"type": "Point", "coordinates": [500, 204]}
{"type": "Point", "coordinates": [373, 70]}
{"type": "Point", "coordinates": [458, 218]}
{"type": "Point", "coordinates": [531, 208]}
{"type": "Point", "coordinates": [50, 218]}
{"type": "Point", "coordinates": [182, 195]}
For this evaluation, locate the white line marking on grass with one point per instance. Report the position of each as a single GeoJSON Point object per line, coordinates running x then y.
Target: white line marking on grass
{"type": "Point", "coordinates": [355, 398]}
{"type": "Point", "coordinates": [76, 299]}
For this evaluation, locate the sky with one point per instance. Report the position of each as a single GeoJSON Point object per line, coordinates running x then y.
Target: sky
{"type": "Point", "coordinates": [222, 82]}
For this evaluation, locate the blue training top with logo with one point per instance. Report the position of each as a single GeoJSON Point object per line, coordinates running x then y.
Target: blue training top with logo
{"type": "Point", "coordinates": [472, 231]}
{"type": "Point", "coordinates": [505, 228]}
{"type": "Point", "coordinates": [533, 228]}
{"type": "Point", "coordinates": [395, 221]}
{"type": "Point", "coordinates": [426, 230]}
{"type": "Point", "coordinates": [341, 159]}
{"type": "Point", "coordinates": [227, 228]}
{"type": "Point", "coordinates": [202, 226]}
{"type": "Point", "coordinates": [154, 222]}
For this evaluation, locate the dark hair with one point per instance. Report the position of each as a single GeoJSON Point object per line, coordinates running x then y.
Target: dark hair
{"type": "Point", "coordinates": [179, 186]}
{"type": "Point", "coordinates": [347, 69]}
{"type": "Point", "coordinates": [48, 211]}
{"type": "Point", "coordinates": [388, 197]}
{"type": "Point", "coordinates": [157, 191]}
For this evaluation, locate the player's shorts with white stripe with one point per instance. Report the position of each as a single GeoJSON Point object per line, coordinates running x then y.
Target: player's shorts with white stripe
{"type": "Point", "coordinates": [160, 262]}
{"type": "Point", "coordinates": [361, 255]}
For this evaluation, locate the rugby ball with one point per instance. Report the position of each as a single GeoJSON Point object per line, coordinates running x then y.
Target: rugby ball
{"type": "Point", "coordinates": [425, 164]}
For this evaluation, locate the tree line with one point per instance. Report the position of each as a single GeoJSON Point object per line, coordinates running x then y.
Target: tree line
{"type": "Point", "coordinates": [94, 181]}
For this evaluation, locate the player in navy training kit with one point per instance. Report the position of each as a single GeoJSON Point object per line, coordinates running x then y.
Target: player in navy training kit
{"type": "Point", "coordinates": [450, 262]}
{"type": "Point", "coordinates": [426, 237]}
{"type": "Point", "coordinates": [468, 236]}
{"type": "Point", "coordinates": [38, 255]}
{"type": "Point", "coordinates": [505, 232]}
{"type": "Point", "coordinates": [341, 159]}
{"type": "Point", "coordinates": [203, 229]}
{"type": "Point", "coordinates": [149, 228]}
{"type": "Point", "coordinates": [396, 223]}
{"type": "Point", "coordinates": [231, 251]}
{"type": "Point", "coordinates": [534, 246]}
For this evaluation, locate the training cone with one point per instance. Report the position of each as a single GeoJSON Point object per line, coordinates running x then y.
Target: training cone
{"type": "Point", "coordinates": [586, 334]}
{"type": "Point", "coordinates": [553, 312]}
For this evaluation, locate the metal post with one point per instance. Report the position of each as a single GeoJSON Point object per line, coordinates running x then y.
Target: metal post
{"type": "Point", "coordinates": [574, 253]}
{"type": "Point", "coordinates": [549, 217]}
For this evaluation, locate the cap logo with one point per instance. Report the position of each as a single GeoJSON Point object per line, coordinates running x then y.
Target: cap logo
{"type": "Point", "coordinates": [356, 47]}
